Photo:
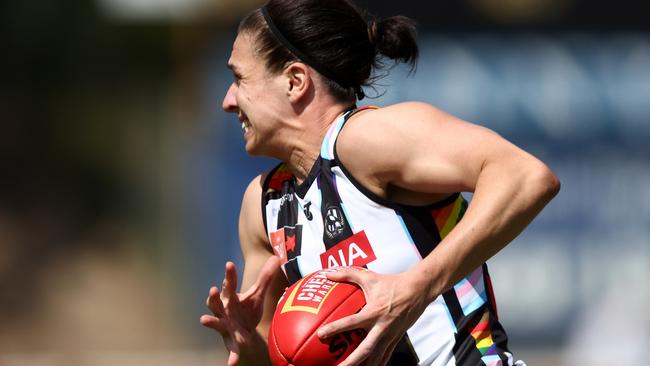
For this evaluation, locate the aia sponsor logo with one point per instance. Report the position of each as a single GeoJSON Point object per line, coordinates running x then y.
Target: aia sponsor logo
{"type": "Point", "coordinates": [353, 251]}
{"type": "Point", "coordinates": [309, 295]}
{"type": "Point", "coordinates": [287, 242]}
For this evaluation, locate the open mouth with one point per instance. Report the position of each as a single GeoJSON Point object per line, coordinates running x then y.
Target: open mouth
{"type": "Point", "coordinates": [245, 126]}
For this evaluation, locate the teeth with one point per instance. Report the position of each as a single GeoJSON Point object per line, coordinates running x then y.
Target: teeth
{"type": "Point", "coordinates": [245, 126]}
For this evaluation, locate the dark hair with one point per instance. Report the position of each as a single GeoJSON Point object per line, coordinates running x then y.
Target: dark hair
{"type": "Point", "coordinates": [334, 33]}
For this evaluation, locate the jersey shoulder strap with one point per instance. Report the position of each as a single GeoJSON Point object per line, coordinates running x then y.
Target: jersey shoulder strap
{"type": "Point", "coordinates": [327, 148]}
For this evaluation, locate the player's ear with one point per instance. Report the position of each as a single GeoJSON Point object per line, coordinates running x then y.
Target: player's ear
{"type": "Point", "coordinates": [298, 76]}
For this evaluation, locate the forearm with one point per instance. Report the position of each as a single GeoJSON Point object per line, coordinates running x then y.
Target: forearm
{"type": "Point", "coordinates": [500, 209]}
{"type": "Point", "coordinates": [256, 352]}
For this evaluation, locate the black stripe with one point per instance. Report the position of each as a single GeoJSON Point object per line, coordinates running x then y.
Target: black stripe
{"type": "Point", "coordinates": [336, 226]}
{"type": "Point", "coordinates": [288, 215]}
{"type": "Point", "coordinates": [465, 350]}
{"type": "Point", "coordinates": [487, 285]}
{"type": "Point", "coordinates": [293, 271]}
{"type": "Point", "coordinates": [422, 228]}
{"type": "Point", "coordinates": [404, 354]}
{"type": "Point", "coordinates": [454, 307]}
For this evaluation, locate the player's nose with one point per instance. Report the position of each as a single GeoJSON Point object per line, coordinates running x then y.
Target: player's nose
{"type": "Point", "coordinates": [229, 103]}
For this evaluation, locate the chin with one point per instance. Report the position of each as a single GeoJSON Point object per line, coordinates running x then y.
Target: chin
{"type": "Point", "coordinates": [252, 149]}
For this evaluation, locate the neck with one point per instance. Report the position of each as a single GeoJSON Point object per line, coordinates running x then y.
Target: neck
{"type": "Point", "coordinates": [305, 148]}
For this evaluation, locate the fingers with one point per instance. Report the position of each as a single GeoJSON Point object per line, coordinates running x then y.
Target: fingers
{"type": "Point", "coordinates": [229, 286]}
{"type": "Point", "coordinates": [214, 302]}
{"type": "Point", "coordinates": [383, 360]}
{"type": "Point", "coordinates": [364, 350]}
{"type": "Point", "coordinates": [215, 323]}
{"type": "Point", "coordinates": [266, 275]}
{"type": "Point", "coordinates": [350, 322]}
{"type": "Point", "coordinates": [376, 349]}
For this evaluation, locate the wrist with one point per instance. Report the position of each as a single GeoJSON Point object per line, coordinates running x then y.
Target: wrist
{"type": "Point", "coordinates": [255, 351]}
{"type": "Point", "coordinates": [426, 281]}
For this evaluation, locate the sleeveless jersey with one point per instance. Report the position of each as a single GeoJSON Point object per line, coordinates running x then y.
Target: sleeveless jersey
{"type": "Point", "coordinates": [331, 220]}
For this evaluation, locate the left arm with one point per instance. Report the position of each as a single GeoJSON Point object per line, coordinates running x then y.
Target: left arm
{"type": "Point", "coordinates": [510, 188]}
{"type": "Point", "coordinates": [413, 147]}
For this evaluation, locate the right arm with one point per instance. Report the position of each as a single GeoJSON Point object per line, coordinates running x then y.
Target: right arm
{"type": "Point", "coordinates": [256, 251]}
{"type": "Point", "coordinates": [243, 319]}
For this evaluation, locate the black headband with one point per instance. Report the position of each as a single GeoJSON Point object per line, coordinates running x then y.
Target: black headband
{"type": "Point", "coordinates": [321, 68]}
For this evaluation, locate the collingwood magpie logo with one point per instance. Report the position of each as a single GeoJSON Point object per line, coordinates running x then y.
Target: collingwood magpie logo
{"type": "Point", "coordinates": [334, 221]}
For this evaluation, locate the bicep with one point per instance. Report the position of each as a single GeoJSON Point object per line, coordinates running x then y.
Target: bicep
{"type": "Point", "coordinates": [428, 150]}
{"type": "Point", "coordinates": [448, 156]}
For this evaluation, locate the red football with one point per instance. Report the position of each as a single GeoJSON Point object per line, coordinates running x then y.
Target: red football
{"type": "Point", "coordinates": [304, 307]}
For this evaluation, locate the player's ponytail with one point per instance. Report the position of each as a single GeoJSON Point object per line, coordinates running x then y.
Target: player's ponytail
{"type": "Point", "coordinates": [395, 38]}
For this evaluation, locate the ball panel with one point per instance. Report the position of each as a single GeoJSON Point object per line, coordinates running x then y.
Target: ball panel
{"type": "Point", "coordinates": [335, 349]}
{"type": "Point", "coordinates": [303, 308]}
{"type": "Point", "coordinates": [277, 358]}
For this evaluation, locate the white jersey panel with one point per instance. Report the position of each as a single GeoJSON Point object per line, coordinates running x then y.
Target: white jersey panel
{"type": "Point", "coordinates": [432, 335]}
{"type": "Point", "coordinates": [390, 241]}
{"type": "Point", "coordinates": [312, 237]}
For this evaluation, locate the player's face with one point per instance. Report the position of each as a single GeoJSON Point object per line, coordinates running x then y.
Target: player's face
{"type": "Point", "coordinates": [253, 95]}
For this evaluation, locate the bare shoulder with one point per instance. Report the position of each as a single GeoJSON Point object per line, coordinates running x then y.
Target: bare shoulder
{"type": "Point", "coordinates": [392, 123]}
{"type": "Point", "coordinates": [254, 188]}
{"type": "Point", "coordinates": [400, 112]}
{"type": "Point", "coordinates": [413, 109]}
{"type": "Point", "coordinates": [253, 195]}
{"type": "Point", "coordinates": [374, 140]}
{"type": "Point", "coordinates": [411, 112]}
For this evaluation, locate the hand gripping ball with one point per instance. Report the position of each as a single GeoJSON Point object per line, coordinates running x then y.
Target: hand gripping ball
{"type": "Point", "coordinates": [302, 309]}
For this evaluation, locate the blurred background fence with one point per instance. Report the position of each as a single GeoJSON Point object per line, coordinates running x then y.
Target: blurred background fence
{"type": "Point", "coordinates": [121, 178]}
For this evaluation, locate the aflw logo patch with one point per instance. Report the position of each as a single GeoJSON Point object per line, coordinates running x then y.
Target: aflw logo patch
{"type": "Point", "coordinates": [353, 251]}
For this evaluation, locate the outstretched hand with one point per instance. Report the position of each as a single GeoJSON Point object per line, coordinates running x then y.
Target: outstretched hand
{"type": "Point", "coordinates": [393, 304]}
{"type": "Point", "coordinates": [236, 315]}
